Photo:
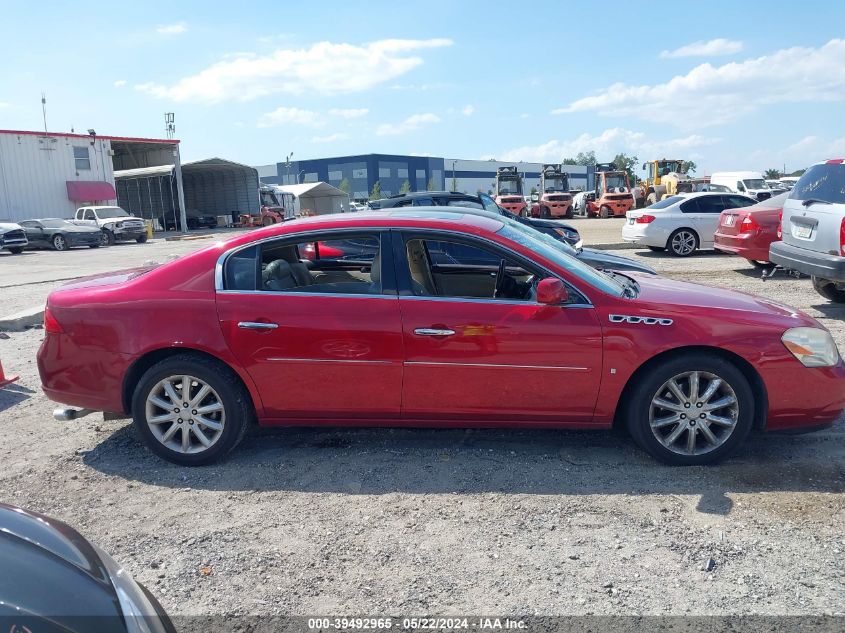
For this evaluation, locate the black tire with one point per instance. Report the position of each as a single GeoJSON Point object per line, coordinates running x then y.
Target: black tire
{"type": "Point", "coordinates": [678, 249]}
{"type": "Point", "coordinates": [568, 215]}
{"type": "Point", "coordinates": [545, 213]}
{"type": "Point", "coordinates": [604, 212]}
{"type": "Point", "coordinates": [657, 249]}
{"type": "Point", "coordinates": [828, 290]}
{"type": "Point", "coordinates": [93, 246]}
{"type": "Point", "coordinates": [107, 238]}
{"type": "Point", "coordinates": [649, 386]}
{"type": "Point", "coordinates": [237, 406]}
{"type": "Point", "coordinates": [17, 250]}
{"type": "Point", "coordinates": [59, 242]}
{"type": "Point", "coordinates": [142, 239]}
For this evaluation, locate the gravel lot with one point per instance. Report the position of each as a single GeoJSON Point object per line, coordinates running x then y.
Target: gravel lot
{"type": "Point", "coordinates": [439, 522]}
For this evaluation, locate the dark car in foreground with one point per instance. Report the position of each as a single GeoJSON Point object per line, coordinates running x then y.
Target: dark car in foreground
{"type": "Point", "coordinates": [60, 234]}
{"type": "Point", "coordinates": [555, 228]}
{"type": "Point", "coordinates": [457, 320]}
{"type": "Point", "coordinates": [54, 580]}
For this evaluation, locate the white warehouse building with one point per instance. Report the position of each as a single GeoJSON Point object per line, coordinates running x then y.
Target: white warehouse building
{"type": "Point", "coordinates": [51, 174]}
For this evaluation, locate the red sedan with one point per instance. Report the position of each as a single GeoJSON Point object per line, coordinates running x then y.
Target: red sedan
{"type": "Point", "coordinates": [248, 330]}
{"type": "Point", "coordinates": [749, 231]}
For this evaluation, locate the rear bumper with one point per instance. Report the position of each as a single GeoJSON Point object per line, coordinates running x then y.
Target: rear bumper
{"type": "Point", "coordinates": [745, 245]}
{"type": "Point", "coordinates": [821, 265]}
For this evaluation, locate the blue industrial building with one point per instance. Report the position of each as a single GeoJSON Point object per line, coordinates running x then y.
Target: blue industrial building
{"type": "Point", "coordinates": [420, 172]}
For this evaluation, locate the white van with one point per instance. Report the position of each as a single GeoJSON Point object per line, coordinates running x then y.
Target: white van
{"type": "Point", "coordinates": [749, 183]}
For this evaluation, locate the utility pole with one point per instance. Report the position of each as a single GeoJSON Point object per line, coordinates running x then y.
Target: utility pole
{"type": "Point", "coordinates": [44, 110]}
{"type": "Point", "coordinates": [287, 168]}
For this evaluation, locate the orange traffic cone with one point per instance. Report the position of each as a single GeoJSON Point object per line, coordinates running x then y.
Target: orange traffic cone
{"type": "Point", "coordinates": [4, 379]}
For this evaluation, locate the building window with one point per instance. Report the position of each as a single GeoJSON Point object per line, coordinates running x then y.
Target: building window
{"type": "Point", "coordinates": [361, 195]}
{"type": "Point", "coordinates": [310, 177]}
{"type": "Point", "coordinates": [421, 173]}
{"type": "Point", "coordinates": [359, 173]}
{"type": "Point", "coordinates": [336, 175]}
{"type": "Point", "coordinates": [384, 172]}
{"type": "Point", "coordinates": [401, 173]}
{"type": "Point", "coordinates": [80, 157]}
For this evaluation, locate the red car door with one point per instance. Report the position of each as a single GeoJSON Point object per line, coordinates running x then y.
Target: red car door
{"type": "Point", "coordinates": [475, 358]}
{"type": "Point", "coordinates": [322, 338]}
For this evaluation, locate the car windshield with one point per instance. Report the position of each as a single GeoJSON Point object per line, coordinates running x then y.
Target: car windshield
{"type": "Point", "coordinates": [54, 224]}
{"type": "Point", "coordinates": [111, 212]}
{"type": "Point", "coordinates": [755, 183]}
{"type": "Point", "coordinates": [553, 250]}
{"type": "Point", "coordinates": [666, 202]}
{"type": "Point", "coordinates": [821, 182]}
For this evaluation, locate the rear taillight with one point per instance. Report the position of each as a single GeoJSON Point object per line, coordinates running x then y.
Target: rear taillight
{"type": "Point", "coordinates": [51, 325]}
{"type": "Point", "coordinates": [780, 225]}
{"type": "Point", "coordinates": [842, 237]}
{"type": "Point", "coordinates": [749, 225]}
{"type": "Point", "coordinates": [645, 219]}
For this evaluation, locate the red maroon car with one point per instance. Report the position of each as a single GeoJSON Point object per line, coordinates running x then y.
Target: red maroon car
{"type": "Point", "coordinates": [248, 330]}
{"type": "Point", "coordinates": [749, 231]}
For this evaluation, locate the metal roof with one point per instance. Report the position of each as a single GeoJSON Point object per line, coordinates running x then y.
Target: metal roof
{"type": "Point", "coordinates": [209, 164]}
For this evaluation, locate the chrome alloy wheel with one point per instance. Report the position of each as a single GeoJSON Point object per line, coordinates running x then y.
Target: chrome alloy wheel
{"type": "Point", "coordinates": [693, 413]}
{"type": "Point", "coordinates": [683, 243]}
{"type": "Point", "coordinates": [185, 414]}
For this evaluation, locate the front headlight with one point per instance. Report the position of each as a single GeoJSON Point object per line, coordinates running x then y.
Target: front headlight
{"type": "Point", "coordinates": [812, 346]}
{"type": "Point", "coordinates": [139, 613]}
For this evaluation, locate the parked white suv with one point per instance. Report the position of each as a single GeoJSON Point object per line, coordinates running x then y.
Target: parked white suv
{"type": "Point", "coordinates": [813, 227]}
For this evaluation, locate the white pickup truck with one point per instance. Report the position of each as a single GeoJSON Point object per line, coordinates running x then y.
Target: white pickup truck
{"type": "Point", "coordinates": [116, 224]}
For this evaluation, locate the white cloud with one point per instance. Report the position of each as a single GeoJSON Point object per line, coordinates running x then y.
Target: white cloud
{"type": "Point", "coordinates": [349, 113]}
{"type": "Point", "coordinates": [296, 116]}
{"type": "Point", "coordinates": [606, 145]}
{"type": "Point", "coordinates": [710, 48]}
{"type": "Point", "coordinates": [4, 104]}
{"type": "Point", "coordinates": [330, 138]}
{"type": "Point", "coordinates": [803, 153]}
{"type": "Point", "coordinates": [709, 95]}
{"type": "Point", "coordinates": [413, 122]}
{"type": "Point", "coordinates": [468, 110]}
{"type": "Point", "coordinates": [120, 83]}
{"type": "Point", "coordinates": [171, 29]}
{"type": "Point", "coordinates": [325, 68]}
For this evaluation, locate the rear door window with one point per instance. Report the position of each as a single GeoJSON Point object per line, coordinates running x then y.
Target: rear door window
{"type": "Point", "coordinates": [711, 204]}
{"type": "Point", "coordinates": [821, 182]}
{"type": "Point", "coordinates": [737, 202]}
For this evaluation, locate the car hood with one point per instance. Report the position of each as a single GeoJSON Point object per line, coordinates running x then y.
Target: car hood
{"type": "Point", "coordinates": [50, 569]}
{"type": "Point", "coordinates": [603, 259]}
{"type": "Point", "coordinates": [678, 297]}
{"type": "Point", "coordinates": [9, 226]}
{"type": "Point", "coordinates": [549, 224]}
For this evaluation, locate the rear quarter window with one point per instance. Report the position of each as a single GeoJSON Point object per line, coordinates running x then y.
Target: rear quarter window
{"type": "Point", "coordinates": [821, 182]}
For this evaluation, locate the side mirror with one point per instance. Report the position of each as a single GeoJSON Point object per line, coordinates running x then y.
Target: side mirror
{"type": "Point", "coordinates": [552, 291]}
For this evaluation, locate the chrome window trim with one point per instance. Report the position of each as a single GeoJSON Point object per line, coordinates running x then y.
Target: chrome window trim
{"type": "Point", "coordinates": [285, 293]}
{"type": "Point", "coordinates": [511, 302]}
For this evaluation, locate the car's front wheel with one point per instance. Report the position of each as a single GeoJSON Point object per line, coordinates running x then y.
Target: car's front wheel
{"type": "Point", "coordinates": [828, 290]}
{"type": "Point", "coordinates": [107, 238]}
{"type": "Point", "coordinates": [682, 243]}
{"type": "Point", "coordinates": [191, 410]}
{"type": "Point", "coordinates": [142, 239]}
{"type": "Point", "coordinates": [693, 409]}
{"type": "Point", "coordinates": [17, 250]}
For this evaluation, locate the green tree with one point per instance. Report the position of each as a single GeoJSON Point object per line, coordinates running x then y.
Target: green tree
{"type": "Point", "coordinates": [405, 188]}
{"type": "Point", "coordinates": [375, 194]}
{"type": "Point", "coordinates": [772, 174]}
{"type": "Point", "coordinates": [798, 173]}
{"type": "Point", "coordinates": [583, 158]}
{"type": "Point", "coordinates": [432, 184]}
{"type": "Point", "coordinates": [533, 190]}
{"type": "Point", "coordinates": [344, 186]}
{"type": "Point", "coordinates": [689, 167]}
{"type": "Point", "coordinates": [628, 164]}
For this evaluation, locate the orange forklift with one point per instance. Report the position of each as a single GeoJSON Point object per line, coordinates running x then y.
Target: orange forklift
{"type": "Point", "coordinates": [613, 192]}
{"type": "Point", "coordinates": [555, 201]}
{"type": "Point", "coordinates": [509, 190]}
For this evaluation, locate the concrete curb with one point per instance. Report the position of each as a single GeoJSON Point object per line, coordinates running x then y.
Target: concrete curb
{"type": "Point", "coordinates": [20, 321]}
{"type": "Point", "coordinates": [614, 247]}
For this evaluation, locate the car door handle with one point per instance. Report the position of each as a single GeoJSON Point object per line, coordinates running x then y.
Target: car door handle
{"type": "Point", "coordinates": [425, 331]}
{"type": "Point", "coordinates": [254, 325]}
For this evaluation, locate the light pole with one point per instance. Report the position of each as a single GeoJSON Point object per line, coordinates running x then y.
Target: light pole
{"type": "Point", "coordinates": [299, 175]}
{"type": "Point", "coordinates": [287, 167]}
{"type": "Point", "coordinates": [454, 182]}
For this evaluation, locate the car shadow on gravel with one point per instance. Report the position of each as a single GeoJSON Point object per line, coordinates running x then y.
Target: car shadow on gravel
{"type": "Point", "coordinates": [548, 462]}
{"type": "Point", "coordinates": [12, 395]}
{"type": "Point", "coordinates": [831, 310]}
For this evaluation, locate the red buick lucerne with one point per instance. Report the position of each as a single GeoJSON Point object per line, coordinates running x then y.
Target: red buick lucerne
{"type": "Point", "coordinates": [749, 231]}
{"type": "Point", "coordinates": [247, 330]}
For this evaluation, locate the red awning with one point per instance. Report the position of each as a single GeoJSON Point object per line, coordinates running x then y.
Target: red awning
{"type": "Point", "coordinates": [90, 191]}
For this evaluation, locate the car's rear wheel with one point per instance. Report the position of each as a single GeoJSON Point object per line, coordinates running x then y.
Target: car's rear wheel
{"type": "Point", "coordinates": [142, 239]}
{"type": "Point", "coordinates": [693, 409]}
{"type": "Point", "coordinates": [828, 290]}
{"type": "Point", "coordinates": [59, 242]}
{"type": "Point", "coordinates": [191, 410]}
{"type": "Point", "coordinates": [682, 243]}
{"type": "Point", "coordinates": [604, 212]}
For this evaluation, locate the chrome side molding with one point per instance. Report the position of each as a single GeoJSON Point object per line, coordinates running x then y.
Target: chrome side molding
{"type": "Point", "coordinates": [624, 318]}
